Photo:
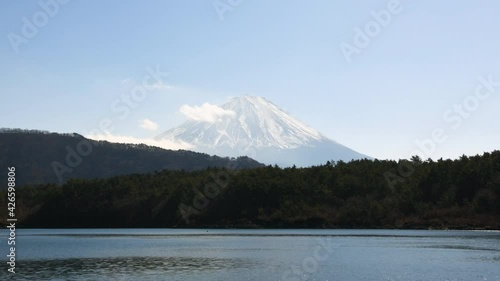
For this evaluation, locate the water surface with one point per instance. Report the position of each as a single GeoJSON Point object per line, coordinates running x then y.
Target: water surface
{"type": "Point", "coordinates": [207, 254]}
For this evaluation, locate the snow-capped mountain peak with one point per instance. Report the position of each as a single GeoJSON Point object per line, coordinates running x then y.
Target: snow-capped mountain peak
{"type": "Point", "coordinates": [255, 127]}
{"type": "Point", "coordinates": [255, 122]}
{"type": "Point", "coordinates": [264, 124]}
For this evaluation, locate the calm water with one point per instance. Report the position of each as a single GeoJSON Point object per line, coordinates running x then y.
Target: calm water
{"type": "Point", "coordinates": [167, 254]}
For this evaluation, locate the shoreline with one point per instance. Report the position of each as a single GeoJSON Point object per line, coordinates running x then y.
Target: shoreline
{"type": "Point", "coordinates": [483, 229]}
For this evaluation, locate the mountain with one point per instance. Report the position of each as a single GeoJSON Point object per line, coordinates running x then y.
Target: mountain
{"type": "Point", "coordinates": [259, 129]}
{"type": "Point", "coordinates": [43, 157]}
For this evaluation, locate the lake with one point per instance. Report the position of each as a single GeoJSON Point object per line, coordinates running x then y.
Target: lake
{"type": "Point", "coordinates": [213, 254]}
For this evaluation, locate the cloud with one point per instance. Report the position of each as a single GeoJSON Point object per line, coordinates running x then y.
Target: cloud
{"type": "Point", "coordinates": [167, 144]}
{"type": "Point", "coordinates": [148, 125]}
{"type": "Point", "coordinates": [206, 113]}
{"type": "Point", "coordinates": [160, 87]}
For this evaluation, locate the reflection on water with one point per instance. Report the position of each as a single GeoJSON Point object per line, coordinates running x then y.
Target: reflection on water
{"type": "Point", "coordinates": [460, 247]}
{"type": "Point", "coordinates": [482, 259]}
{"type": "Point", "coordinates": [96, 268]}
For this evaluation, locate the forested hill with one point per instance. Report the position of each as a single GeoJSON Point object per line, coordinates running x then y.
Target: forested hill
{"type": "Point", "coordinates": [43, 157]}
{"type": "Point", "coordinates": [463, 193]}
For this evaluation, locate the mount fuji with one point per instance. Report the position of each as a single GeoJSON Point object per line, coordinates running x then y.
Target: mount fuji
{"type": "Point", "coordinates": [255, 127]}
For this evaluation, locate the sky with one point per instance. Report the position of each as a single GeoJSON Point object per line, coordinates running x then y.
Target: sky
{"type": "Point", "coordinates": [385, 78]}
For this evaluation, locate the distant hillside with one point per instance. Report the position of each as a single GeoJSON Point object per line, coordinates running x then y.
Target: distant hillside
{"type": "Point", "coordinates": [454, 194]}
{"type": "Point", "coordinates": [44, 157]}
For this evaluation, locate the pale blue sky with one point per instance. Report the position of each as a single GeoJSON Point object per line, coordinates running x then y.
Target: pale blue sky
{"type": "Point", "coordinates": [396, 90]}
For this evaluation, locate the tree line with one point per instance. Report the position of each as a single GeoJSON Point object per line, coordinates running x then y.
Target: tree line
{"type": "Point", "coordinates": [459, 194]}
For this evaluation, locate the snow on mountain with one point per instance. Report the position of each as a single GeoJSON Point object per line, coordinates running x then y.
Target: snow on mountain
{"type": "Point", "coordinates": [259, 129]}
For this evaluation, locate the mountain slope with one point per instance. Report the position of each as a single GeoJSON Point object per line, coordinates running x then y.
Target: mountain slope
{"type": "Point", "coordinates": [42, 157]}
{"type": "Point", "coordinates": [259, 129]}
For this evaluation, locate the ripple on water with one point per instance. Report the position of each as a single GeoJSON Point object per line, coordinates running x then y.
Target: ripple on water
{"type": "Point", "coordinates": [120, 267]}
